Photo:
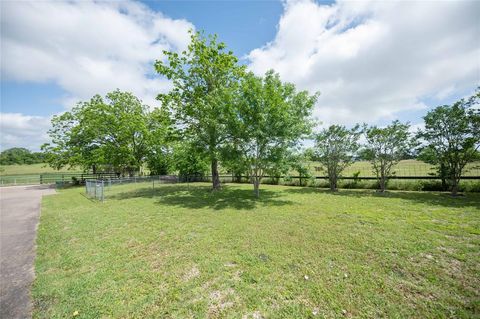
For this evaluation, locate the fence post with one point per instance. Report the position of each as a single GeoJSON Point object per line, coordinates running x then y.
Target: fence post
{"type": "Point", "coordinates": [103, 191]}
{"type": "Point", "coordinates": [41, 179]}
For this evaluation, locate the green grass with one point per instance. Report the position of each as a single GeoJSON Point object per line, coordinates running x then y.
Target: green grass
{"type": "Point", "coordinates": [185, 252]}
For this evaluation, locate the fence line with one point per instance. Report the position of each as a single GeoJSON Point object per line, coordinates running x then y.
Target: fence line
{"type": "Point", "coordinates": [69, 178]}
{"type": "Point", "coordinates": [98, 188]}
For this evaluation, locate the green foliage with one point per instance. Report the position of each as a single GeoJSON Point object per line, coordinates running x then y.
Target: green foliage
{"type": "Point", "coordinates": [270, 119]}
{"type": "Point", "coordinates": [300, 163]}
{"type": "Point", "coordinates": [162, 136]}
{"type": "Point", "coordinates": [18, 155]}
{"type": "Point", "coordinates": [335, 149]}
{"type": "Point", "coordinates": [233, 160]}
{"type": "Point", "coordinates": [188, 160]}
{"type": "Point", "coordinates": [112, 131]}
{"type": "Point", "coordinates": [385, 147]}
{"type": "Point", "coordinates": [204, 79]}
{"type": "Point", "coordinates": [452, 138]}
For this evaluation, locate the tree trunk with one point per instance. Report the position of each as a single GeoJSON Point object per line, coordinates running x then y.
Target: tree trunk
{"type": "Point", "coordinates": [454, 187]}
{"type": "Point", "coordinates": [383, 184]}
{"type": "Point", "coordinates": [94, 169]}
{"type": "Point", "coordinates": [333, 184]}
{"type": "Point", "coordinates": [256, 186]}
{"type": "Point", "coordinates": [215, 175]}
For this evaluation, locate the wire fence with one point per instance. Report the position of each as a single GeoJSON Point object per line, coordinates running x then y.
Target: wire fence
{"type": "Point", "coordinates": [102, 189]}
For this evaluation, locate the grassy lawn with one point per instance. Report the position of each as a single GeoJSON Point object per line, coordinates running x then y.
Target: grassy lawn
{"type": "Point", "coordinates": [184, 252]}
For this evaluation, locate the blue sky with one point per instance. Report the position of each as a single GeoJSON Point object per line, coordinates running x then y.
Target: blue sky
{"type": "Point", "coordinates": [243, 25]}
{"type": "Point", "coordinates": [372, 61]}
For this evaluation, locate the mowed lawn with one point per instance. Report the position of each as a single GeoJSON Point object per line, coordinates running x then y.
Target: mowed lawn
{"type": "Point", "coordinates": [184, 252]}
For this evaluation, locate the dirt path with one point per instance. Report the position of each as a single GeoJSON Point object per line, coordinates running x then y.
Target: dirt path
{"type": "Point", "coordinates": [20, 211]}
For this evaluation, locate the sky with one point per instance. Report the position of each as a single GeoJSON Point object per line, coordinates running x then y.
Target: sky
{"type": "Point", "coordinates": [371, 61]}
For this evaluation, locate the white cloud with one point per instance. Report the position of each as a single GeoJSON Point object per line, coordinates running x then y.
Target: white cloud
{"type": "Point", "coordinates": [19, 130]}
{"type": "Point", "coordinates": [88, 47]}
{"type": "Point", "coordinates": [374, 59]}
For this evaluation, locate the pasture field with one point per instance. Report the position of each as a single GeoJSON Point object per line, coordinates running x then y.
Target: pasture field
{"type": "Point", "coordinates": [182, 251]}
{"type": "Point", "coordinates": [28, 174]}
{"type": "Point", "coordinates": [32, 169]}
{"type": "Point", "coordinates": [403, 168]}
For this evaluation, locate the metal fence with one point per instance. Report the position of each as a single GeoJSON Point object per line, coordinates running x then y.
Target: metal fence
{"type": "Point", "coordinates": [51, 178]}
{"type": "Point", "coordinates": [100, 189]}
{"type": "Point", "coordinates": [95, 189]}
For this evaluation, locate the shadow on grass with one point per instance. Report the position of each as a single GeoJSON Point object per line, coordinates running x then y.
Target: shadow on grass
{"type": "Point", "coordinates": [429, 198]}
{"type": "Point", "coordinates": [196, 197]}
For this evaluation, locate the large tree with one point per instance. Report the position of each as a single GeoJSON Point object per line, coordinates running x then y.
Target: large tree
{"type": "Point", "coordinates": [335, 149]}
{"type": "Point", "coordinates": [204, 78]}
{"type": "Point", "coordinates": [451, 138]}
{"type": "Point", "coordinates": [271, 118]}
{"type": "Point", "coordinates": [385, 147]}
{"type": "Point", "coordinates": [109, 131]}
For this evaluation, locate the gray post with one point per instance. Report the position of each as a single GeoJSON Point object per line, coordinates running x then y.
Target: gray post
{"type": "Point", "coordinates": [103, 191]}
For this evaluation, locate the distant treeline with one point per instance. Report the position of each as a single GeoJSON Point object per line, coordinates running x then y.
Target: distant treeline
{"type": "Point", "coordinates": [19, 155]}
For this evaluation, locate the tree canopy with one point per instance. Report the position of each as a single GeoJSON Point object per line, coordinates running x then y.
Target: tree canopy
{"type": "Point", "coordinates": [271, 117]}
{"type": "Point", "coordinates": [111, 131]}
{"type": "Point", "coordinates": [385, 147]}
{"type": "Point", "coordinates": [452, 138]}
{"type": "Point", "coordinates": [204, 78]}
{"type": "Point", "coordinates": [336, 148]}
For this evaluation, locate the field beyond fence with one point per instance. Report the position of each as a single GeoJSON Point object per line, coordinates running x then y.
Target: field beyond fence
{"type": "Point", "coordinates": [408, 175]}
